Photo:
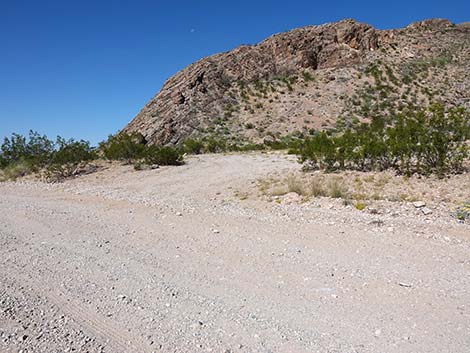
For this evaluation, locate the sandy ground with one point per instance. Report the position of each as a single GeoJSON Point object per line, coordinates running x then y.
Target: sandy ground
{"type": "Point", "coordinates": [174, 260]}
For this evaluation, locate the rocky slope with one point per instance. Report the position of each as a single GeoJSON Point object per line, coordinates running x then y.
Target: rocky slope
{"type": "Point", "coordinates": [308, 78]}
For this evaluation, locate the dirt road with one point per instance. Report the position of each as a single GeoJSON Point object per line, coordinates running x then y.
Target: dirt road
{"type": "Point", "coordinates": [170, 260]}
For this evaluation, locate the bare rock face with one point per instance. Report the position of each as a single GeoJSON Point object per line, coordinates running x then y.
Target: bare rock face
{"type": "Point", "coordinates": [290, 81]}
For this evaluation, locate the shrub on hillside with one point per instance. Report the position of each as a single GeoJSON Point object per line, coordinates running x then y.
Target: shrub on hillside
{"type": "Point", "coordinates": [132, 148]}
{"type": "Point", "coordinates": [193, 146]}
{"type": "Point", "coordinates": [163, 155]}
{"type": "Point", "coordinates": [124, 147]}
{"type": "Point", "coordinates": [422, 141]}
{"type": "Point", "coordinates": [220, 144]}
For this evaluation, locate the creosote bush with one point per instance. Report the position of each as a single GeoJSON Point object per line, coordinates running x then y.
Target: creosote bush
{"type": "Point", "coordinates": [123, 147]}
{"type": "Point", "coordinates": [69, 156]}
{"type": "Point", "coordinates": [132, 148]}
{"type": "Point", "coordinates": [221, 144]}
{"type": "Point", "coordinates": [422, 141]}
{"type": "Point", "coordinates": [21, 155]}
{"type": "Point", "coordinates": [63, 158]}
{"type": "Point", "coordinates": [163, 155]}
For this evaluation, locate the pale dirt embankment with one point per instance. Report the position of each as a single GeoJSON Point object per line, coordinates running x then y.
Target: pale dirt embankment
{"type": "Point", "coordinates": [195, 258]}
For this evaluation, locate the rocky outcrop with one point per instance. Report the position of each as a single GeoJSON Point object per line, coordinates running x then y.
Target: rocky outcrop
{"type": "Point", "coordinates": [191, 101]}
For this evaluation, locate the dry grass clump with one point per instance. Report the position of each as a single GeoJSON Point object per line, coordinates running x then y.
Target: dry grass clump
{"type": "Point", "coordinates": [363, 188]}
{"type": "Point", "coordinates": [317, 188]}
{"type": "Point", "coordinates": [295, 184]}
{"type": "Point", "coordinates": [338, 189]}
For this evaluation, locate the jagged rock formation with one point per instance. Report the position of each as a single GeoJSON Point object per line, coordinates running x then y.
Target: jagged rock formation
{"type": "Point", "coordinates": [306, 78]}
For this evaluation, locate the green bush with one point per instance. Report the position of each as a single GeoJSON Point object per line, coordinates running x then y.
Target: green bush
{"type": "Point", "coordinates": [221, 144]}
{"type": "Point", "coordinates": [422, 141]}
{"type": "Point", "coordinates": [163, 155]}
{"type": "Point", "coordinates": [20, 156]}
{"type": "Point", "coordinates": [214, 144]}
{"type": "Point", "coordinates": [193, 146]}
{"type": "Point", "coordinates": [132, 148]}
{"type": "Point", "coordinates": [124, 147]}
{"type": "Point", "coordinates": [72, 152]}
{"type": "Point", "coordinates": [35, 150]}
{"type": "Point", "coordinates": [64, 158]}
{"type": "Point", "coordinates": [68, 158]}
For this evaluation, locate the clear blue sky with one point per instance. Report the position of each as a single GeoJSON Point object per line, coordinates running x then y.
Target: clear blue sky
{"type": "Point", "coordinates": [84, 68]}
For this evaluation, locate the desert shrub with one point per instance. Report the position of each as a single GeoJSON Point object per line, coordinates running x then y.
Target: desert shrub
{"type": "Point", "coordinates": [290, 143]}
{"type": "Point", "coordinates": [69, 156]}
{"type": "Point", "coordinates": [39, 149]}
{"type": "Point", "coordinates": [219, 144]}
{"type": "Point", "coordinates": [132, 148]}
{"type": "Point", "coordinates": [422, 141]}
{"type": "Point", "coordinates": [13, 149]}
{"type": "Point", "coordinates": [208, 144]}
{"type": "Point", "coordinates": [72, 152]}
{"type": "Point", "coordinates": [193, 146]}
{"type": "Point", "coordinates": [249, 146]}
{"type": "Point", "coordinates": [319, 149]}
{"type": "Point", "coordinates": [163, 155]}
{"type": "Point", "coordinates": [214, 144]}
{"type": "Point", "coordinates": [124, 147]}
{"type": "Point", "coordinates": [21, 155]}
{"type": "Point", "coordinates": [35, 150]}
{"type": "Point", "coordinates": [430, 141]}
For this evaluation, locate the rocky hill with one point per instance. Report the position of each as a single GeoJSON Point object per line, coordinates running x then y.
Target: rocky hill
{"type": "Point", "coordinates": [311, 78]}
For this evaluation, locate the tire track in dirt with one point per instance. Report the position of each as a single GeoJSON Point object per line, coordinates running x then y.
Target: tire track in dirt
{"type": "Point", "coordinates": [116, 337]}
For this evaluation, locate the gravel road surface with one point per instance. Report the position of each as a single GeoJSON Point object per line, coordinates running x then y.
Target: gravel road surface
{"type": "Point", "coordinates": [169, 260]}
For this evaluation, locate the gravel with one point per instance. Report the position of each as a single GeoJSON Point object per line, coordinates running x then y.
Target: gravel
{"type": "Point", "coordinates": [127, 261]}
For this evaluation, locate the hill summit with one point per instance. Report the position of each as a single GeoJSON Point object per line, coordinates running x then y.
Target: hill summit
{"type": "Point", "coordinates": [311, 78]}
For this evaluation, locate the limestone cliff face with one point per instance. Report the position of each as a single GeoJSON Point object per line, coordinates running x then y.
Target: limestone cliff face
{"type": "Point", "coordinates": [273, 86]}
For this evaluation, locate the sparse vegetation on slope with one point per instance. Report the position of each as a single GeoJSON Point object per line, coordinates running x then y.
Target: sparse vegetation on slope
{"type": "Point", "coordinates": [345, 70]}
